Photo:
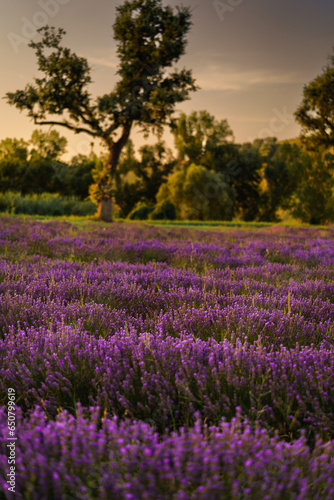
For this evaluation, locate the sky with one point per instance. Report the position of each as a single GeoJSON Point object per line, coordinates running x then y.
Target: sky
{"type": "Point", "coordinates": [250, 58]}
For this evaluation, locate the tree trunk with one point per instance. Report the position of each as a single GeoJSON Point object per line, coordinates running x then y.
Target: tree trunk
{"type": "Point", "coordinates": [104, 210]}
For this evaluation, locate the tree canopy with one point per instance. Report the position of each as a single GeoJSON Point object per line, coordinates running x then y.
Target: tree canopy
{"type": "Point", "coordinates": [198, 134]}
{"type": "Point", "coordinates": [316, 111]}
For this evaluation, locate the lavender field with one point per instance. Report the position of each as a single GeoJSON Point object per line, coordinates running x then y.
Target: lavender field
{"type": "Point", "coordinates": [155, 363]}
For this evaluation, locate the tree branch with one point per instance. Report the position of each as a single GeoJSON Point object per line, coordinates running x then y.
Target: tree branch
{"type": "Point", "coordinates": [112, 127]}
{"type": "Point", "coordinates": [69, 126]}
{"type": "Point", "coordinates": [92, 121]}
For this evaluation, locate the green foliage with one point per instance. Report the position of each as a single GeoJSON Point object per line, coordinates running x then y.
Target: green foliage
{"type": "Point", "coordinates": [316, 111]}
{"type": "Point", "coordinates": [313, 199]}
{"type": "Point", "coordinates": [292, 177]}
{"type": "Point", "coordinates": [44, 204]}
{"type": "Point", "coordinates": [127, 196]}
{"type": "Point", "coordinates": [13, 163]}
{"type": "Point", "coordinates": [102, 187]}
{"type": "Point", "coordinates": [241, 167]}
{"type": "Point", "coordinates": [150, 38]}
{"type": "Point", "coordinates": [266, 147]}
{"type": "Point", "coordinates": [49, 145]}
{"type": "Point", "coordinates": [163, 211]}
{"type": "Point", "coordinates": [198, 134]}
{"type": "Point", "coordinates": [29, 170]}
{"type": "Point", "coordinates": [39, 176]}
{"type": "Point", "coordinates": [126, 185]}
{"type": "Point", "coordinates": [140, 212]}
{"type": "Point", "coordinates": [282, 167]}
{"type": "Point", "coordinates": [201, 139]}
{"type": "Point", "coordinates": [155, 165]}
{"type": "Point", "coordinates": [157, 187]}
{"type": "Point", "coordinates": [80, 175]}
{"type": "Point", "coordinates": [13, 150]}
{"type": "Point", "coordinates": [63, 88]}
{"type": "Point", "coordinates": [198, 194]}
{"type": "Point", "coordinates": [139, 180]}
{"type": "Point", "coordinates": [35, 167]}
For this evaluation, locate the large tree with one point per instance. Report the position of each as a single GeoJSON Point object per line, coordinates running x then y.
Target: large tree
{"type": "Point", "coordinates": [150, 38]}
{"type": "Point", "coordinates": [316, 111]}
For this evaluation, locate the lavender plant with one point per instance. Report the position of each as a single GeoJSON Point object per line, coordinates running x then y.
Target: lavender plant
{"type": "Point", "coordinates": [157, 363]}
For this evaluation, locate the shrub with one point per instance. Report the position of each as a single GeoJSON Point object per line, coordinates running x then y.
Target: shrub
{"type": "Point", "coordinates": [165, 210]}
{"type": "Point", "coordinates": [198, 194]}
{"type": "Point", "coordinates": [140, 212]}
{"type": "Point", "coordinates": [44, 204]}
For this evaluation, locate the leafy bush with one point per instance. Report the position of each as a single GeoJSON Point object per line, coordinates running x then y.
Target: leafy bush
{"type": "Point", "coordinates": [140, 212]}
{"type": "Point", "coordinates": [163, 211]}
{"type": "Point", "coordinates": [198, 194]}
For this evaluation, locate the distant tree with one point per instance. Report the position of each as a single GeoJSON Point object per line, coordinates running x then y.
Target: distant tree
{"type": "Point", "coordinates": [139, 180]}
{"type": "Point", "coordinates": [313, 198]}
{"type": "Point", "coordinates": [39, 176]}
{"type": "Point", "coordinates": [151, 38]}
{"type": "Point", "coordinates": [13, 164]}
{"type": "Point", "coordinates": [202, 139]}
{"type": "Point", "coordinates": [198, 134]}
{"type": "Point", "coordinates": [277, 179]}
{"type": "Point", "coordinates": [155, 164]}
{"type": "Point", "coordinates": [243, 172]}
{"type": "Point", "coordinates": [13, 150]}
{"type": "Point", "coordinates": [45, 172]}
{"type": "Point", "coordinates": [79, 175]}
{"type": "Point", "coordinates": [48, 144]}
{"type": "Point", "coordinates": [266, 148]}
{"type": "Point", "coordinates": [35, 166]}
{"type": "Point", "coordinates": [316, 111]}
{"type": "Point", "coordinates": [285, 167]}
{"type": "Point", "coordinates": [198, 194]}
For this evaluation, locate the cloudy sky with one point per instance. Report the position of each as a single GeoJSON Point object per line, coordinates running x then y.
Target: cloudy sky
{"type": "Point", "coordinates": [251, 58]}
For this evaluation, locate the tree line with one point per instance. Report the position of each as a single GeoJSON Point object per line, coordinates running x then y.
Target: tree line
{"type": "Point", "coordinates": [35, 167]}
{"type": "Point", "coordinates": [208, 177]}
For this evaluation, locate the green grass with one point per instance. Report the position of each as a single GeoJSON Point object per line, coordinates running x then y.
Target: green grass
{"type": "Point", "coordinates": [221, 225]}
{"type": "Point", "coordinates": [84, 221]}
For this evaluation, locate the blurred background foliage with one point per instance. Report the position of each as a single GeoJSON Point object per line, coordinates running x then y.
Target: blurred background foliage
{"type": "Point", "coordinates": [207, 177]}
